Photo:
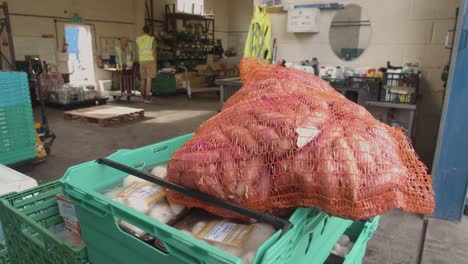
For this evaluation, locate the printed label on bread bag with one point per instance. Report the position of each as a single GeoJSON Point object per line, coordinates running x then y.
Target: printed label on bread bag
{"type": "Point", "coordinates": [226, 233]}
{"type": "Point", "coordinates": [67, 211]}
{"type": "Point", "coordinates": [149, 192]}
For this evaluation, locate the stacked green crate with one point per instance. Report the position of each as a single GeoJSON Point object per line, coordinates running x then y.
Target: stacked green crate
{"type": "Point", "coordinates": [29, 219]}
{"type": "Point", "coordinates": [310, 240]}
{"type": "Point", "coordinates": [3, 254]}
{"type": "Point", "coordinates": [164, 84]}
{"type": "Point", "coordinates": [17, 133]}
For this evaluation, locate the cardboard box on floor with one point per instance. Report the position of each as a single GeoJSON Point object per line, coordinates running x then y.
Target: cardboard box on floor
{"type": "Point", "coordinates": [195, 80]}
{"type": "Point", "coordinates": [211, 69]}
{"type": "Point", "coordinates": [181, 79]}
{"type": "Point", "coordinates": [204, 70]}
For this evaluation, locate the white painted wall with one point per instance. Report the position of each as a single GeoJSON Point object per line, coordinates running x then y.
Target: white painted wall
{"type": "Point", "coordinates": [402, 31]}
{"type": "Point", "coordinates": [27, 30]}
{"type": "Point", "coordinates": [240, 16]}
{"type": "Point", "coordinates": [220, 8]}
{"type": "Point", "coordinates": [221, 11]}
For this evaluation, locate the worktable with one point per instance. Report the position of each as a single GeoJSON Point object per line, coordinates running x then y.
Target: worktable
{"type": "Point", "coordinates": [410, 109]}
{"type": "Point", "coordinates": [227, 87]}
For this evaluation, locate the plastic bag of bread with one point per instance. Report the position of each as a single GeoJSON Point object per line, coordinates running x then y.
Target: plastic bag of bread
{"type": "Point", "coordinates": [144, 197]}
{"type": "Point", "coordinates": [239, 239]}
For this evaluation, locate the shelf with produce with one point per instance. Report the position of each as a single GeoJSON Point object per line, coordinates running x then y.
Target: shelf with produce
{"type": "Point", "coordinates": [165, 48]}
{"type": "Point", "coordinates": [190, 36]}
{"type": "Point", "coordinates": [192, 49]}
{"type": "Point", "coordinates": [188, 16]}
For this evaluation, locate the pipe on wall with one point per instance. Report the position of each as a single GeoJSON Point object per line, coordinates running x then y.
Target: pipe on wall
{"type": "Point", "coordinates": [68, 18]}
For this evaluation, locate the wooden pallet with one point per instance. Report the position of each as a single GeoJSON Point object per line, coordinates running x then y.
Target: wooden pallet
{"type": "Point", "coordinates": [105, 115]}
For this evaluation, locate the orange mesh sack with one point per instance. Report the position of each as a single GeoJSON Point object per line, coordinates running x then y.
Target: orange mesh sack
{"type": "Point", "coordinates": [288, 140]}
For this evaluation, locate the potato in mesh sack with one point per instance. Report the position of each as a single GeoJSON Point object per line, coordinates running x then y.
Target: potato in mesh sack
{"type": "Point", "coordinates": [282, 142]}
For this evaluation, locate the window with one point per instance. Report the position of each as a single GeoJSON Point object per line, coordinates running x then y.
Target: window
{"type": "Point", "coordinates": [190, 6]}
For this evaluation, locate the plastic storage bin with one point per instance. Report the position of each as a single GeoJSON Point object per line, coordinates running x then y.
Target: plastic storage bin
{"type": "Point", "coordinates": [368, 88]}
{"type": "Point", "coordinates": [360, 233]}
{"type": "Point", "coordinates": [400, 88]}
{"type": "Point", "coordinates": [26, 217]}
{"type": "Point", "coordinates": [164, 84]}
{"type": "Point", "coordinates": [312, 236]}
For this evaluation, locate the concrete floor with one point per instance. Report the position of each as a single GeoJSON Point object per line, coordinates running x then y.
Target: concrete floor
{"type": "Point", "coordinates": [397, 239]}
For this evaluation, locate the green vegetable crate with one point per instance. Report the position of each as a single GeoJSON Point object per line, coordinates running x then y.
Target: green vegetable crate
{"type": "Point", "coordinates": [3, 255]}
{"type": "Point", "coordinates": [310, 240]}
{"type": "Point", "coordinates": [164, 84]}
{"type": "Point", "coordinates": [360, 232]}
{"type": "Point", "coordinates": [26, 218]}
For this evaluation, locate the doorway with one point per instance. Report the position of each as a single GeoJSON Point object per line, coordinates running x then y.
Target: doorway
{"type": "Point", "coordinates": [80, 50]}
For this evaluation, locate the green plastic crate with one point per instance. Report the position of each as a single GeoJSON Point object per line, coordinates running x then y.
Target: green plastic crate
{"type": "Point", "coordinates": [26, 217]}
{"type": "Point", "coordinates": [17, 132]}
{"type": "Point", "coordinates": [14, 157]}
{"type": "Point", "coordinates": [17, 144]}
{"type": "Point", "coordinates": [3, 254]}
{"type": "Point", "coordinates": [15, 88]}
{"type": "Point", "coordinates": [360, 232]}
{"type": "Point", "coordinates": [312, 236]}
{"type": "Point", "coordinates": [164, 84]}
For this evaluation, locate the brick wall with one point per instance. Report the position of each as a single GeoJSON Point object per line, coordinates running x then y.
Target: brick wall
{"type": "Point", "coordinates": [402, 31]}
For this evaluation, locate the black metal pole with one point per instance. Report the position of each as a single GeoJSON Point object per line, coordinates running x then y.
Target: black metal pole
{"type": "Point", "coordinates": [276, 222]}
{"type": "Point", "coordinates": [10, 37]}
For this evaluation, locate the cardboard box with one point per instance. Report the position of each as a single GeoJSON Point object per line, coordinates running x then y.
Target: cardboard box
{"type": "Point", "coordinates": [210, 59]}
{"type": "Point", "coordinates": [181, 79]}
{"type": "Point", "coordinates": [215, 67]}
{"type": "Point", "coordinates": [197, 81]}
{"type": "Point", "coordinates": [204, 70]}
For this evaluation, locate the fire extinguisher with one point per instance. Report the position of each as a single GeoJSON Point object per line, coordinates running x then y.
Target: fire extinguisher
{"type": "Point", "coordinates": [65, 46]}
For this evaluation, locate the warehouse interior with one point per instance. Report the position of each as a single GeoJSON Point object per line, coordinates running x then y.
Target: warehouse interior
{"type": "Point", "coordinates": [129, 80]}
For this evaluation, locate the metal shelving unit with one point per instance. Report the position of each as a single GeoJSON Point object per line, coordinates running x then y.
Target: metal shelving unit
{"type": "Point", "coordinates": [194, 50]}
{"type": "Point", "coordinates": [5, 27]}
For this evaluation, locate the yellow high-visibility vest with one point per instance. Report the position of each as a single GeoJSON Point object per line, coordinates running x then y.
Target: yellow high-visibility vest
{"type": "Point", "coordinates": [145, 48]}
{"type": "Point", "coordinates": [259, 36]}
{"type": "Point", "coordinates": [129, 59]}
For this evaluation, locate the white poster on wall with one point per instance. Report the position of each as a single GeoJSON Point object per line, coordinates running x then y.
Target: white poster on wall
{"type": "Point", "coordinates": [302, 20]}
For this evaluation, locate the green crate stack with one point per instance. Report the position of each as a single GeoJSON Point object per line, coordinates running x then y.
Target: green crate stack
{"type": "Point", "coordinates": [359, 232]}
{"type": "Point", "coordinates": [3, 254]}
{"type": "Point", "coordinates": [26, 218]}
{"type": "Point", "coordinates": [310, 240]}
{"type": "Point", "coordinates": [17, 133]}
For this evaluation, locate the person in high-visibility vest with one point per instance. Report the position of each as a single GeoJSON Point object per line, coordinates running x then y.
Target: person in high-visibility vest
{"type": "Point", "coordinates": [124, 65]}
{"type": "Point", "coordinates": [147, 57]}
